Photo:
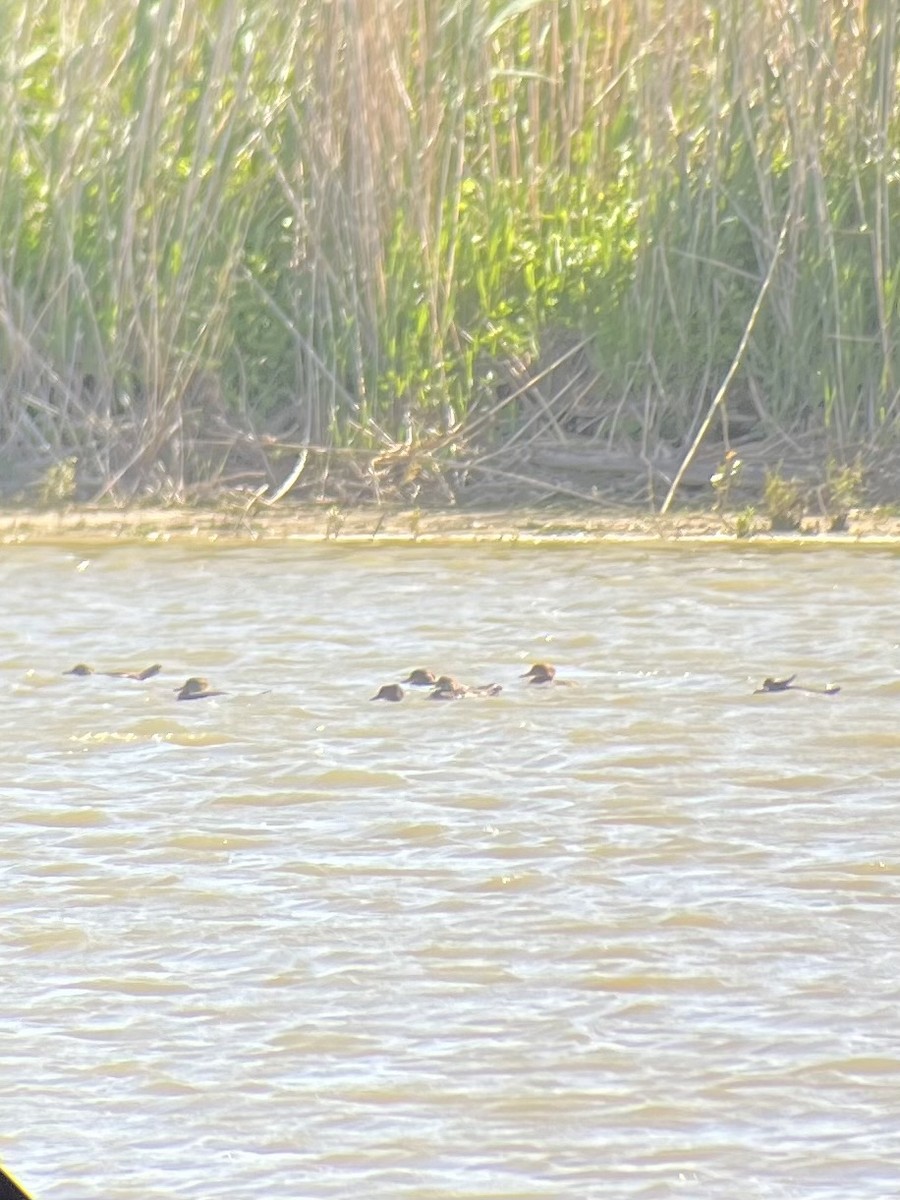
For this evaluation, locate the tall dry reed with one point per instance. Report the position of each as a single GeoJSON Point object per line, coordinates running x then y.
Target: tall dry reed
{"type": "Point", "coordinates": [336, 221]}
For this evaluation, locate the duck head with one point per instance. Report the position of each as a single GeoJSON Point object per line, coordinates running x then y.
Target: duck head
{"type": "Point", "coordinates": [540, 673]}
{"type": "Point", "coordinates": [420, 678]}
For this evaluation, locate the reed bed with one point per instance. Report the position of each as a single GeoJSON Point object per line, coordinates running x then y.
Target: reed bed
{"type": "Point", "coordinates": [240, 241]}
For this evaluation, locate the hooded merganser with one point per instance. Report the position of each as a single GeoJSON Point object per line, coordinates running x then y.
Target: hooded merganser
{"type": "Point", "coordinates": [420, 678]}
{"type": "Point", "coordinates": [788, 685]}
{"type": "Point", "coordinates": [540, 673]}
{"type": "Point", "coordinates": [84, 669]}
{"type": "Point", "coordinates": [775, 685]}
{"type": "Point", "coordinates": [448, 688]}
{"type": "Point", "coordinates": [196, 688]}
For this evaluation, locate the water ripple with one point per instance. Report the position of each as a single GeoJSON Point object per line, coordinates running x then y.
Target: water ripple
{"type": "Point", "coordinates": [629, 937]}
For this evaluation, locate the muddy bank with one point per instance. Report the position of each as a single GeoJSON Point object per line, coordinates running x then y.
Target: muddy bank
{"type": "Point", "coordinates": [238, 524]}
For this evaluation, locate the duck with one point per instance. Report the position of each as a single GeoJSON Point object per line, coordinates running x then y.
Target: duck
{"type": "Point", "coordinates": [540, 673]}
{"type": "Point", "coordinates": [147, 673]}
{"type": "Point", "coordinates": [787, 685]}
{"type": "Point", "coordinates": [196, 688]}
{"type": "Point", "coordinates": [420, 677]}
{"type": "Point", "coordinates": [485, 689]}
{"type": "Point", "coordinates": [389, 691]}
{"type": "Point", "coordinates": [448, 688]}
{"type": "Point", "coordinates": [775, 685]}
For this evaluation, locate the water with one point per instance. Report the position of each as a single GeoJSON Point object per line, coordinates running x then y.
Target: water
{"type": "Point", "coordinates": [635, 937]}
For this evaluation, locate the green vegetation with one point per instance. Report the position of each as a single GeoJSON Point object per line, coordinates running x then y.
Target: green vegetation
{"type": "Point", "coordinates": [784, 504]}
{"type": "Point", "coordinates": [745, 522]}
{"type": "Point", "coordinates": [367, 225]}
{"type": "Point", "coordinates": [844, 492]}
{"type": "Point", "coordinates": [726, 476]}
{"type": "Point", "coordinates": [57, 486]}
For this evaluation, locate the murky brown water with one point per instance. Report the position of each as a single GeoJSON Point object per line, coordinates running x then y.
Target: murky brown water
{"type": "Point", "coordinates": [633, 938]}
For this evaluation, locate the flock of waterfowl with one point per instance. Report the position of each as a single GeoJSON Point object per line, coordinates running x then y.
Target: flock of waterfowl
{"type": "Point", "coordinates": [445, 687]}
{"type": "Point", "coordinates": [194, 688]}
{"type": "Point", "coordinates": [440, 687]}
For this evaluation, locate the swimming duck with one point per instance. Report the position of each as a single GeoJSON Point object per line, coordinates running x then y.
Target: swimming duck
{"type": "Point", "coordinates": [388, 691]}
{"type": "Point", "coordinates": [420, 678]}
{"type": "Point", "coordinates": [485, 689]}
{"type": "Point", "coordinates": [775, 685]}
{"type": "Point", "coordinates": [788, 685]}
{"type": "Point", "coordinates": [196, 688]}
{"type": "Point", "coordinates": [447, 688]}
{"type": "Point", "coordinates": [540, 673]}
{"type": "Point", "coordinates": [84, 669]}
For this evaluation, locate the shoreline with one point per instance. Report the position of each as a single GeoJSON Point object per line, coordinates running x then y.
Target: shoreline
{"type": "Point", "coordinates": [390, 526]}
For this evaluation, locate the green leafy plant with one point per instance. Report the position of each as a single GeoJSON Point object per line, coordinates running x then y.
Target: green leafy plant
{"type": "Point", "coordinates": [745, 522]}
{"type": "Point", "coordinates": [783, 502]}
{"type": "Point", "coordinates": [844, 492]}
{"type": "Point", "coordinates": [58, 483]}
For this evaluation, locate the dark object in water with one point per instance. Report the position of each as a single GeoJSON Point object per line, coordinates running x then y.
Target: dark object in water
{"type": "Point", "coordinates": [388, 691]}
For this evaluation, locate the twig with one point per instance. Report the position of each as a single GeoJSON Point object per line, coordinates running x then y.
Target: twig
{"type": "Point", "coordinates": [720, 395]}
{"type": "Point", "coordinates": [550, 488]}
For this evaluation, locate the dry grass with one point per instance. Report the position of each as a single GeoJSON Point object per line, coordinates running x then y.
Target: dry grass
{"type": "Point", "coordinates": [227, 231]}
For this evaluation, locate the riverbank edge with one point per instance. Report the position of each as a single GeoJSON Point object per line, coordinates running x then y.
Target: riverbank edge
{"type": "Point", "coordinates": [368, 526]}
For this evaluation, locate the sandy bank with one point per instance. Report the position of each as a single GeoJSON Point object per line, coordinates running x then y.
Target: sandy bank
{"type": "Point", "coordinates": [82, 525]}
